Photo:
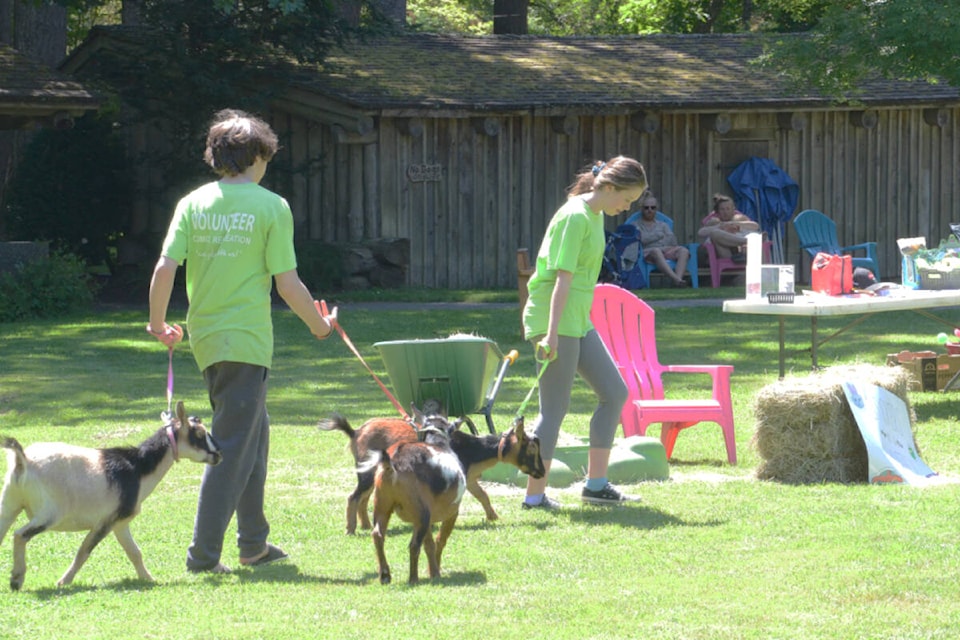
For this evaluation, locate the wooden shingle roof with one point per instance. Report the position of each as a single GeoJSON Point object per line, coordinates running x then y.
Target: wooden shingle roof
{"type": "Point", "coordinates": [693, 72]}
{"type": "Point", "coordinates": [507, 73]}
{"type": "Point", "coordinates": [31, 92]}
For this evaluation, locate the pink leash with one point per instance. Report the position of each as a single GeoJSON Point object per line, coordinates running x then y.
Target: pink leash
{"type": "Point", "coordinates": [170, 433]}
{"type": "Point", "coordinates": [349, 343]}
{"type": "Point", "coordinates": [170, 381]}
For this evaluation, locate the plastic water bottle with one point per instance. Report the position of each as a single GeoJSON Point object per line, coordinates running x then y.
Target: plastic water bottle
{"type": "Point", "coordinates": [754, 262]}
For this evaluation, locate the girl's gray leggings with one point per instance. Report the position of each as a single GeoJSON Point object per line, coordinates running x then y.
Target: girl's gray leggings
{"type": "Point", "coordinates": [589, 357]}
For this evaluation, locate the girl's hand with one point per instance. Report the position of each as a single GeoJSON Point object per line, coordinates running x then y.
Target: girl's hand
{"type": "Point", "coordinates": [544, 351]}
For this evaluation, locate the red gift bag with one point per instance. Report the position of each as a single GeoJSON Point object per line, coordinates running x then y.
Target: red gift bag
{"type": "Point", "coordinates": [832, 274]}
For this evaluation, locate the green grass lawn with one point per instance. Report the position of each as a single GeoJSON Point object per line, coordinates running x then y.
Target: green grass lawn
{"type": "Point", "coordinates": [710, 554]}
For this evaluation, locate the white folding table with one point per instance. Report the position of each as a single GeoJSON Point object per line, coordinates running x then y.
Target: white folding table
{"type": "Point", "coordinates": [817, 305]}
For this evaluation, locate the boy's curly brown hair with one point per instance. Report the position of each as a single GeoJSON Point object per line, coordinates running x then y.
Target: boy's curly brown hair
{"type": "Point", "coordinates": [236, 139]}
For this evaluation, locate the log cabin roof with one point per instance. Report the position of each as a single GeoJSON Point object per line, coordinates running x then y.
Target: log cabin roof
{"type": "Point", "coordinates": [554, 75]}
{"type": "Point", "coordinates": [31, 93]}
{"type": "Point", "coordinates": [692, 72]}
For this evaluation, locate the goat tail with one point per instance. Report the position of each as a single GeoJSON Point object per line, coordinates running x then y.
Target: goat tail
{"type": "Point", "coordinates": [372, 460]}
{"type": "Point", "coordinates": [337, 422]}
{"type": "Point", "coordinates": [20, 458]}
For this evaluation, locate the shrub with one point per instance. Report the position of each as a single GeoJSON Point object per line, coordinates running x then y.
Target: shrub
{"type": "Point", "coordinates": [56, 286]}
{"type": "Point", "coordinates": [72, 188]}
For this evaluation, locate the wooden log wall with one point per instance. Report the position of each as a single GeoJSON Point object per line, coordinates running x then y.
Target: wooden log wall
{"type": "Point", "coordinates": [468, 191]}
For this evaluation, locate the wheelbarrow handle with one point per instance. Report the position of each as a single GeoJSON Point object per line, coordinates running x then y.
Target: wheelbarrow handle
{"type": "Point", "coordinates": [487, 408]}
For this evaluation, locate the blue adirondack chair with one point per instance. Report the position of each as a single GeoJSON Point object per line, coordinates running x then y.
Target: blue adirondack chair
{"type": "Point", "coordinates": [818, 233]}
{"type": "Point", "coordinates": [692, 265]}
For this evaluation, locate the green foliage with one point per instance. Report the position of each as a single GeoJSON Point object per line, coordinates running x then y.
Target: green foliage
{"type": "Point", "coordinates": [473, 17]}
{"type": "Point", "coordinates": [72, 188]}
{"type": "Point", "coordinates": [857, 40]}
{"type": "Point", "coordinates": [50, 288]}
{"type": "Point", "coordinates": [192, 59]}
{"type": "Point", "coordinates": [81, 18]}
{"type": "Point", "coordinates": [628, 17]}
{"type": "Point", "coordinates": [625, 17]}
{"type": "Point", "coordinates": [577, 17]}
{"type": "Point", "coordinates": [248, 32]}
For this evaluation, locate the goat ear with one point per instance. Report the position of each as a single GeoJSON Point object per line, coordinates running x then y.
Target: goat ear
{"type": "Point", "coordinates": [181, 414]}
{"type": "Point", "coordinates": [518, 428]}
{"type": "Point", "coordinates": [417, 414]}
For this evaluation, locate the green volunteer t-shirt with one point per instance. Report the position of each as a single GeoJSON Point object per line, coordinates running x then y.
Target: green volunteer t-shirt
{"type": "Point", "coordinates": [574, 241]}
{"type": "Point", "coordinates": [234, 239]}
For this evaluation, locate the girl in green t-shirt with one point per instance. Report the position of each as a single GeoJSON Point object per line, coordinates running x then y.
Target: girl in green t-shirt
{"type": "Point", "coordinates": [556, 318]}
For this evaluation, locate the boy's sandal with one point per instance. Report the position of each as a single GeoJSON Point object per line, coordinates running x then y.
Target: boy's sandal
{"type": "Point", "coordinates": [273, 554]}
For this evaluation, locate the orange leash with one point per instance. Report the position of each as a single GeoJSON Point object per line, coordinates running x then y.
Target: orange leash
{"type": "Point", "coordinates": [349, 343]}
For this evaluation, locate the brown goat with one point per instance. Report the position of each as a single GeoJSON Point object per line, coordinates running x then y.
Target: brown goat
{"type": "Point", "coordinates": [476, 455]}
{"type": "Point", "coordinates": [423, 483]}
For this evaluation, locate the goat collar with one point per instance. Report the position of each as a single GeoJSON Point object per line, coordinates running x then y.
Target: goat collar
{"type": "Point", "coordinates": [172, 437]}
{"type": "Point", "coordinates": [502, 445]}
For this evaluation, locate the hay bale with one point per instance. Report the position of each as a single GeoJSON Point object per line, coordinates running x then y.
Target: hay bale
{"type": "Point", "coordinates": [805, 431]}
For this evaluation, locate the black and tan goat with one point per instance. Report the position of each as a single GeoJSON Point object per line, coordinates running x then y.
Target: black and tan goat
{"type": "Point", "coordinates": [423, 483]}
{"type": "Point", "coordinates": [476, 455]}
{"type": "Point", "coordinates": [67, 488]}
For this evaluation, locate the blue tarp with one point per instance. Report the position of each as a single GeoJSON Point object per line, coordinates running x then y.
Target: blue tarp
{"type": "Point", "coordinates": [765, 193]}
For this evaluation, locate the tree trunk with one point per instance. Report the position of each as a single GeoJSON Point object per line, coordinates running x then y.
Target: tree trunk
{"type": "Point", "coordinates": [395, 10]}
{"type": "Point", "coordinates": [510, 16]}
{"type": "Point", "coordinates": [6, 22]}
{"type": "Point", "coordinates": [350, 12]}
{"type": "Point", "coordinates": [131, 12]}
{"type": "Point", "coordinates": [40, 31]}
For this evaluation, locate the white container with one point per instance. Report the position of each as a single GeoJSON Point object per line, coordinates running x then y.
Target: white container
{"type": "Point", "coordinates": [776, 278]}
{"type": "Point", "coordinates": [754, 266]}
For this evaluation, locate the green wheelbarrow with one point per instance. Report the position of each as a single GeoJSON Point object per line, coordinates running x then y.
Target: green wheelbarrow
{"type": "Point", "coordinates": [462, 373]}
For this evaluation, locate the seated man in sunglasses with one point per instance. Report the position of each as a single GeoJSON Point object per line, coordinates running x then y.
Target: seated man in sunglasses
{"type": "Point", "coordinates": [660, 244]}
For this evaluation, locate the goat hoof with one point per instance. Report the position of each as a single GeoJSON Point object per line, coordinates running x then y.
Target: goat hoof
{"type": "Point", "coordinates": [385, 578]}
{"type": "Point", "coordinates": [16, 582]}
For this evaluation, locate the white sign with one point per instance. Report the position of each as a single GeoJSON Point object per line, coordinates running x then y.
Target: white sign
{"type": "Point", "coordinates": [885, 426]}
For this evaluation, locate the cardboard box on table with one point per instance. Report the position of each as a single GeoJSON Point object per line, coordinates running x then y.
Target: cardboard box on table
{"type": "Point", "coordinates": [930, 372]}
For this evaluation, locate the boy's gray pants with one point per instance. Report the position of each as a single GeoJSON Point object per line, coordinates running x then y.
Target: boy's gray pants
{"type": "Point", "coordinates": [241, 426]}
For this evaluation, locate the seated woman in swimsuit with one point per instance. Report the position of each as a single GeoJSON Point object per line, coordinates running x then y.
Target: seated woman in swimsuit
{"type": "Point", "coordinates": [727, 229]}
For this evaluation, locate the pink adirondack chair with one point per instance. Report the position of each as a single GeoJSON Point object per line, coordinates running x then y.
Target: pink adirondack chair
{"type": "Point", "coordinates": [626, 326]}
{"type": "Point", "coordinates": [718, 265]}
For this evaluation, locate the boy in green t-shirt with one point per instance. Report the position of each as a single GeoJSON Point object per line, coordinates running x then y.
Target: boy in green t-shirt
{"type": "Point", "coordinates": [237, 240]}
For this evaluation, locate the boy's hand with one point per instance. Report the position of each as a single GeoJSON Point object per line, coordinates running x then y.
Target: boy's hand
{"type": "Point", "coordinates": [330, 317]}
{"type": "Point", "coordinates": [169, 336]}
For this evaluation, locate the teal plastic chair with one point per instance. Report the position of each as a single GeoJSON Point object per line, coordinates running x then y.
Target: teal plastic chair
{"type": "Point", "coordinates": [818, 233]}
{"type": "Point", "coordinates": [692, 264]}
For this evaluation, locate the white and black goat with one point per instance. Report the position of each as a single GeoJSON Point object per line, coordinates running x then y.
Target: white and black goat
{"type": "Point", "coordinates": [67, 488]}
{"type": "Point", "coordinates": [423, 483]}
{"type": "Point", "coordinates": [476, 455]}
